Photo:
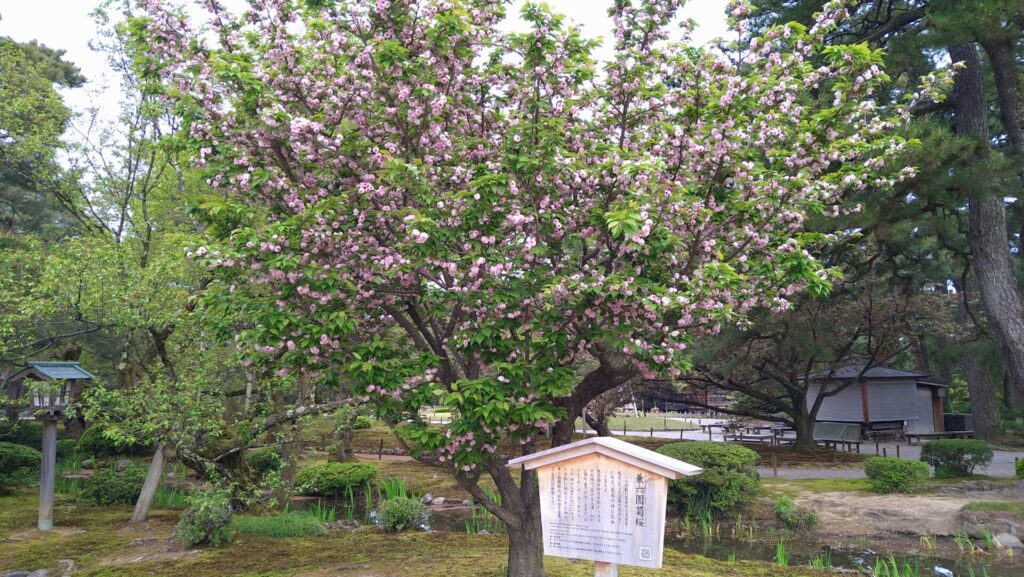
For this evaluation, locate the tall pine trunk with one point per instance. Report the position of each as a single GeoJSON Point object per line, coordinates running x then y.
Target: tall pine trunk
{"type": "Point", "coordinates": [990, 248]}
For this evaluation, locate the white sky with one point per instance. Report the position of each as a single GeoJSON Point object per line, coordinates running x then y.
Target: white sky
{"type": "Point", "coordinates": [66, 24]}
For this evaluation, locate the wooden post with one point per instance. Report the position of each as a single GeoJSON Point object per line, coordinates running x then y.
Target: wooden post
{"type": "Point", "coordinates": [623, 426]}
{"type": "Point", "coordinates": [380, 450]}
{"type": "Point", "coordinates": [897, 450]}
{"type": "Point", "coordinates": [602, 569]}
{"type": "Point", "coordinates": [652, 432]}
{"type": "Point", "coordinates": [48, 473]}
{"type": "Point", "coordinates": [876, 448]}
{"type": "Point", "coordinates": [775, 466]}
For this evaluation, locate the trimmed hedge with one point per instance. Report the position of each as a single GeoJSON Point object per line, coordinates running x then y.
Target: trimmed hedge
{"type": "Point", "coordinates": [66, 448]}
{"type": "Point", "coordinates": [401, 514]}
{"type": "Point", "coordinates": [92, 443]}
{"type": "Point", "coordinates": [729, 479]}
{"type": "Point", "coordinates": [333, 479]}
{"type": "Point", "coordinates": [893, 475]}
{"type": "Point", "coordinates": [264, 460]}
{"type": "Point", "coordinates": [28, 433]}
{"type": "Point", "coordinates": [19, 464]}
{"type": "Point", "coordinates": [956, 457]}
{"type": "Point", "coordinates": [109, 486]}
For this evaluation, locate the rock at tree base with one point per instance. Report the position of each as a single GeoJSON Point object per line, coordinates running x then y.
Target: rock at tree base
{"type": "Point", "coordinates": [427, 499]}
{"type": "Point", "coordinates": [438, 501]}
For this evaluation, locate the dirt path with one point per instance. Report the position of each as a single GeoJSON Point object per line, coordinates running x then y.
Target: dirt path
{"type": "Point", "coordinates": [851, 514]}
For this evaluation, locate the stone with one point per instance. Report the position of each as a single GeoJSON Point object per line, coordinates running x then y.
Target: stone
{"type": "Point", "coordinates": [427, 499]}
{"type": "Point", "coordinates": [88, 464]}
{"type": "Point", "coordinates": [483, 532]}
{"type": "Point", "coordinates": [16, 574]}
{"type": "Point", "coordinates": [122, 464]}
{"type": "Point", "coordinates": [40, 573]}
{"type": "Point", "coordinates": [1009, 541]}
{"type": "Point", "coordinates": [66, 567]}
{"type": "Point", "coordinates": [467, 503]}
{"type": "Point", "coordinates": [438, 501]}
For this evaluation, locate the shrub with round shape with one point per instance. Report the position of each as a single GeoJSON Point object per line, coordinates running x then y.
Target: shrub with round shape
{"type": "Point", "coordinates": [264, 460]}
{"type": "Point", "coordinates": [401, 514]}
{"type": "Point", "coordinates": [956, 457]}
{"type": "Point", "coordinates": [28, 433]}
{"type": "Point", "coordinates": [19, 464]}
{"type": "Point", "coordinates": [893, 475]}
{"type": "Point", "coordinates": [109, 486]}
{"type": "Point", "coordinates": [92, 443]}
{"type": "Point", "coordinates": [206, 521]}
{"type": "Point", "coordinates": [333, 479]}
{"type": "Point", "coordinates": [729, 479]}
{"type": "Point", "coordinates": [66, 448]}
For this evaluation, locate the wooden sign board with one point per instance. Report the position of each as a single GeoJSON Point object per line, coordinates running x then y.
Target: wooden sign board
{"type": "Point", "coordinates": [604, 500]}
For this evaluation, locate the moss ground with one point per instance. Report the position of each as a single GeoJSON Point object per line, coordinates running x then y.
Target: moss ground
{"type": "Point", "coordinates": [103, 545]}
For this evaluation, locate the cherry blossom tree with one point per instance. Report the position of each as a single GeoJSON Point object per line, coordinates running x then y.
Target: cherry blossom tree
{"type": "Point", "coordinates": [412, 202]}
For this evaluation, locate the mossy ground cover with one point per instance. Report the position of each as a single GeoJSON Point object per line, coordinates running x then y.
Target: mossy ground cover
{"type": "Point", "coordinates": [102, 544]}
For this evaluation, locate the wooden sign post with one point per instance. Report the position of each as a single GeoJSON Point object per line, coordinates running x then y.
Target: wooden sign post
{"type": "Point", "coordinates": [604, 500]}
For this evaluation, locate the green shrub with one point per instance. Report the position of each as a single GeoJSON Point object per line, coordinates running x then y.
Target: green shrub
{"type": "Point", "coordinates": [362, 422]}
{"type": "Point", "coordinates": [109, 486]}
{"type": "Point", "coordinates": [401, 514]}
{"type": "Point", "coordinates": [893, 475]}
{"type": "Point", "coordinates": [956, 457]}
{"type": "Point", "coordinates": [729, 479]}
{"type": "Point", "coordinates": [1019, 467]}
{"type": "Point", "coordinates": [19, 464]}
{"type": "Point", "coordinates": [333, 479]}
{"type": "Point", "coordinates": [66, 448]}
{"type": "Point", "coordinates": [92, 443]}
{"type": "Point", "coordinates": [206, 520]}
{"type": "Point", "coordinates": [794, 517]}
{"type": "Point", "coordinates": [295, 524]}
{"type": "Point", "coordinates": [28, 433]}
{"type": "Point", "coordinates": [264, 460]}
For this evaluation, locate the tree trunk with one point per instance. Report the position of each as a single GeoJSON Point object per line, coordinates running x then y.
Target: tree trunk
{"type": "Point", "coordinates": [803, 425]}
{"type": "Point", "coordinates": [989, 245]}
{"type": "Point", "coordinates": [526, 544]}
{"type": "Point", "coordinates": [153, 478]}
{"type": "Point", "coordinates": [598, 422]}
{"type": "Point", "coordinates": [984, 404]}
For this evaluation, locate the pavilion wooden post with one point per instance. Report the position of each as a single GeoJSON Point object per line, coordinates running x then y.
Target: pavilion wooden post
{"type": "Point", "coordinates": [48, 473]}
{"type": "Point", "coordinates": [602, 569]}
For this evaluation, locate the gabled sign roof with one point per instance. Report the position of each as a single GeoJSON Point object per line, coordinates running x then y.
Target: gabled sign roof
{"type": "Point", "coordinates": [614, 448]}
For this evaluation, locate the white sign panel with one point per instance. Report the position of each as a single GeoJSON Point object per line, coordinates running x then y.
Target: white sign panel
{"type": "Point", "coordinates": [599, 508]}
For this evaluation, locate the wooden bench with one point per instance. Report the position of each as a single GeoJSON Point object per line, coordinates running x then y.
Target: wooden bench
{"type": "Point", "coordinates": [741, 438]}
{"type": "Point", "coordinates": [943, 435]}
{"type": "Point", "coordinates": [834, 444]}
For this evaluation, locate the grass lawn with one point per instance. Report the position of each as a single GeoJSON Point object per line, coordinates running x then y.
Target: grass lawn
{"type": "Point", "coordinates": [645, 423]}
{"type": "Point", "coordinates": [1013, 507]}
{"type": "Point", "coordinates": [103, 545]}
{"type": "Point", "coordinates": [794, 486]}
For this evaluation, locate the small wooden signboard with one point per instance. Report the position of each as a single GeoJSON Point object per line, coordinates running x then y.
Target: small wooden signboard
{"type": "Point", "coordinates": [604, 500]}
